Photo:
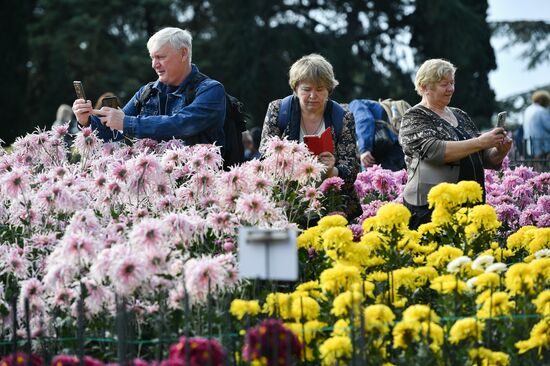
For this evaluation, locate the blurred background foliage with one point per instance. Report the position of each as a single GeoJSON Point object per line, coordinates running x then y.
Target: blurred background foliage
{"type": "Point", "coordinates": [375, 47]}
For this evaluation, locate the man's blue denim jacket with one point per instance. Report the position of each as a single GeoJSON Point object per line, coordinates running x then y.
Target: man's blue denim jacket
{"type": "Point", "coordinates": [200, 122]}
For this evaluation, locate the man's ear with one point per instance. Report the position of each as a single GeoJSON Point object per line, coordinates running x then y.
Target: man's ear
{"type": "Point", "coordinates": [184, 53]}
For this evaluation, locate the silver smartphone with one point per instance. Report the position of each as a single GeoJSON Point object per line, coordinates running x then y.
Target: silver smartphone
{"type": "Point", "coordinates": [501, 119]}
{"type": "Point", "coordinates": [79, 89]}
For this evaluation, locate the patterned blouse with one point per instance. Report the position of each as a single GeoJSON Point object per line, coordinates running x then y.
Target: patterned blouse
{"type": "Point", "coordinates": [423, 136]}
{"type": "Point", "coordinates": [345, 148]}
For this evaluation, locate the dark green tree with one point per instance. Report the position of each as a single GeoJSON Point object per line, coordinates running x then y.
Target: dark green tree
{"type": "Point", "coordinates": [457, 30]}
{"type": "Point", "coordinates": [14, 70]}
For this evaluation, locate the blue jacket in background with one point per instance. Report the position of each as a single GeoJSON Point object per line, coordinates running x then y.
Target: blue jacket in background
{"type": "Point", "coordinates": [200, 122]}
{"type": "Point", "coordinates": [366, 112]}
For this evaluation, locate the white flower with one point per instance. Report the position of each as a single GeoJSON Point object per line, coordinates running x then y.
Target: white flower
{"type": "Point", "coordinates": [496, 268]}
{"type": "Point", "coordinates": [456, 264]}
{"type": "Point", "coordinates": [482, 262]}
{"type": "Point", "coordinates": [543, 253]}
{"type": "Point", "coordinates": [471, 282]}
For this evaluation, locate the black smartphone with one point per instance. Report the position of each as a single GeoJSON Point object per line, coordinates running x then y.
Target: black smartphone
{"type": "Point", "coordinates": [110, 102]}
{"type": "Point", "coordinates": [79, 89]}
{"type": "Point", "coordinates": [501, 119]}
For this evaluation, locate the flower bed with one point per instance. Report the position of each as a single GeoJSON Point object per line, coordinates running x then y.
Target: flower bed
{"type": "Point", "coordinates": [146, 233]}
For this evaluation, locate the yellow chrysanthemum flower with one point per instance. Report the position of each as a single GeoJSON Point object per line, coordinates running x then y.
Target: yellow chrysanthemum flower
{"type": "Point", "coordinates": [341, 328]}
{"type": "Point", "coordinates": [441, 216]}
{"type": "Point", "coordinates": [310, 288]}
{"type": "Point", "coordinates": [336, 241]}
{"type": "Point", "coordinates": [420, 313]}
{"type": "Point", "coordinates": [336, 351]}
{"type": "Point", "coordinates": [444, 195]}
{"type": "Point", "coordinates": [519, 279]}
{"type": "Point", "coordinates": [448, 284]}
{"type": "Point", "coordinates": [434, 332]}
{"type": "Point", "coordinates": [378, 319]}
{"type": "Point", "coordinates": [497, 304]}
{"type": "Point", "coordinates": [405, 333]}
{"type": "Point", "coordinates": [358, 254]}
{"type": "Point", "coordinates": [441, 257]}
{"type": "Point", "coordinates": [278, 304]}
{"type": "Point", "coordinates": [428, 228]}
{"type": "Point", "coordinates": [338, 278]}
{"type": "Point", "coordinates": [519, 239]}
{"type": "Point", "coordinates": [304, 307]}
{"type": "Point", "coordinates": [345, 302]}
{"type": "Point", "coordinates": [541, 240]}
{"type": "Point", "coordinates": [539, 338]}
{"type": "Point", "coordinates": [377, 276]}
{"type": "Point", "coordinates": [310, 238]}
{"type": "Point", "coordinates": [367, 290]}
{"type": "Point", "coordinates": [466, 329]}
{"type": "Point", "coordinates": [393, 215]}
{"type": "Point", "coordinates": [308, 331]}
{"type": "Point", "coordinates": [373, 241]}
{"type": "Point", "coordinates": [424, 275]}
{"type": "Point", "coordinates": [482, 217]}
{"type": "Point", "coordinates": [484, 356]}
{"type": "Point", "coordinates": [540, 271]}
{"type": "Point", "coordinates": [332, 221]}
{"type": "Point", "coordinates": [403, 277]}
{"type": "Point", "coordinates": [469, 191]}
{"type": "Point", "coordinates": [542, 302]}
{"type": "Point", "coordinates": [240, 308]}
{"type": "Point", "coordinates": [487, 281]}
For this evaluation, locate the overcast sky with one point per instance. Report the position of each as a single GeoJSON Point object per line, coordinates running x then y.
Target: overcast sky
{"type": "Point", "coordinates": [511, 75]}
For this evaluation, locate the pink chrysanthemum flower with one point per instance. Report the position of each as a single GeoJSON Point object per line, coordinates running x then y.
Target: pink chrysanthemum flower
{"type": "Point", "coordinates": [308, 170]}
{"type": "Point", "coordinates": [128, 274]}
{"type": "Point", "coordinates": [119, 171]}
{"type": "Point", "coordinates": [334, 183]}
{"type": "Point", "coordinates": [15, 182]}
{"type": "Point", "coordinates": [85, 141]}
{"type": "Point", "coordinates": [252, 207]}
{"type": "Point", "coordinates": [148, 233]}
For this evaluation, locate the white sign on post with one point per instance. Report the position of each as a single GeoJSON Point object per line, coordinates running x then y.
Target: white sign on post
{"type": "Point", "coordinates": [268, 254]}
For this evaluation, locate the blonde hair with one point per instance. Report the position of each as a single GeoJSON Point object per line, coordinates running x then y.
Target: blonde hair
{"type": "Point", "coordinates": [313, 68]}
{"type": "Point", "coordinates": [541, 97]}
{"type": "Point", "coordinates": [431, 72]}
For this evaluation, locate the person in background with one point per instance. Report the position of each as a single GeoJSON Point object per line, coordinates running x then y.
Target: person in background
{"type": "Point", "coordinates": [251, 142]}
{"type": "Point", "coordinates": [442, 143]}
{"type": "Point", "coordinates": [536, 126]}
{"type": "Point", "coordinates": [166, 114]}
{"type": "Point", "coordinates": [312, 80]}
{"type": "Point", "coordinates": [99, 102]}
{"type": "Point", "coordinates": [65, 116]}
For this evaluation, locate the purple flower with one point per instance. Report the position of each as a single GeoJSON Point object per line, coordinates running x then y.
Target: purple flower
{"type": "Point", "coordinates": [20, 359]}
{"type": "Point", "coordinates": [65, 360]}
{"type": "Point", "coordinates": [357, 231]}
{"type": "Point", "coordinates": [201, 351]}
{"type": "Point", "coordinates": [269, 339]}
{"type": "Point", "coordinates": [335, 183]}
{"type": "Point", "coordinates": [509, 214]}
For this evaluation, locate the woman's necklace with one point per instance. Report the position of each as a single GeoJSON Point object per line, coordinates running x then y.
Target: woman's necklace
{"type": "Point", "coordinates": [317, 129]}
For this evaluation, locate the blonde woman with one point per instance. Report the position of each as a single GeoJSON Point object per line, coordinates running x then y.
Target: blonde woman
{"type": "Point", "coordinates": [442, 143]}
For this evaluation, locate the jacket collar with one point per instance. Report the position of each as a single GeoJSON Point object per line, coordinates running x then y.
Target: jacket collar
{"type": "Point", "coordinates": [180, 91]}
{"type": "Point", "coordinates": [296, 117]}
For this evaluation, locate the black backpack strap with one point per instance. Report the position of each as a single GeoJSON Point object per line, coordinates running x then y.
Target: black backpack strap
{"type": "Point", "coordinates": [191, 89]}
{"type": "Point", "coordinates": [144, 97]}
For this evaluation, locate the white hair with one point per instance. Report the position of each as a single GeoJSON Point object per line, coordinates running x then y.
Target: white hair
{"type": "Point", "coordinates": [177, 38]}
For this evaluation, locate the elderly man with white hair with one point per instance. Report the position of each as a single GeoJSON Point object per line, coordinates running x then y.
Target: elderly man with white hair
{"type": "Point", "coordinates": [182, 103]}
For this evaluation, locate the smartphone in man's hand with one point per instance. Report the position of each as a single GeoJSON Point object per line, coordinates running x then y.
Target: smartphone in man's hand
{"type": "Point", "coordinates": [501, 119]}
{"type": "Point", "coordinates": [79, 89]}
{"type": "Point", "coordinates": [110, 102]}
